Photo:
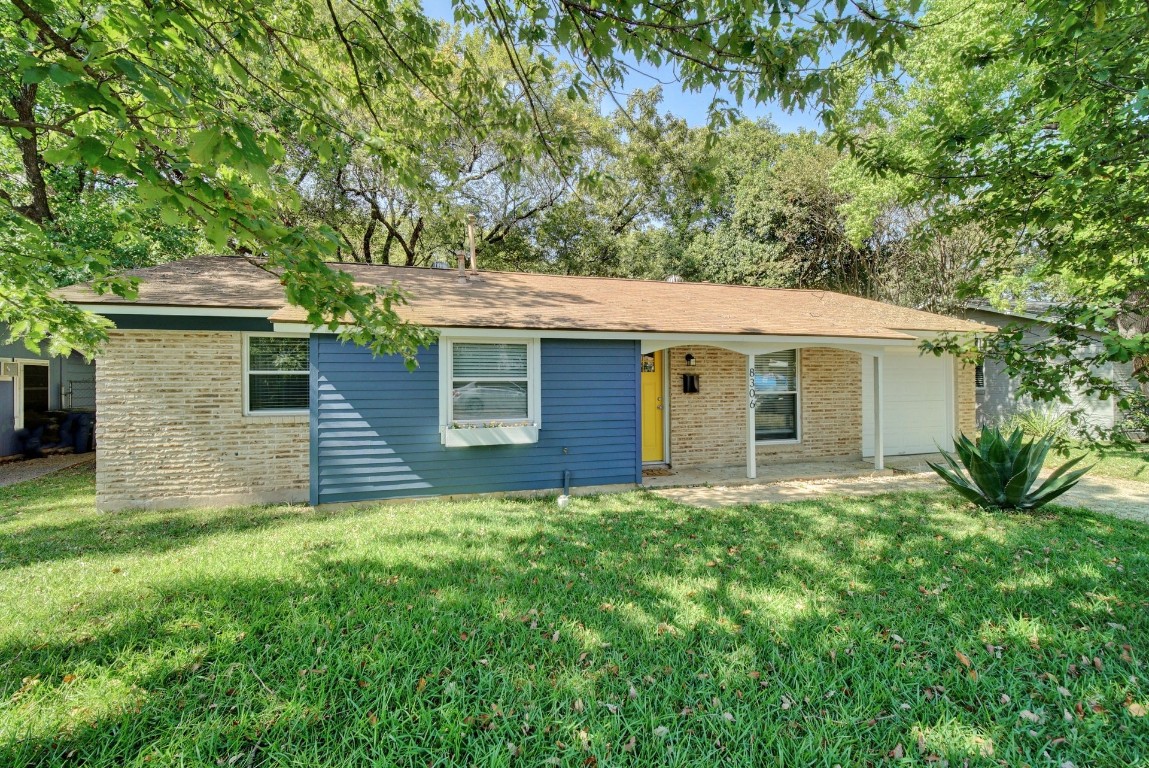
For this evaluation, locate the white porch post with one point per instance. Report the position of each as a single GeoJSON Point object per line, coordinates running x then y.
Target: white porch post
{"type": "Point", "coordinates": [879, 448]}
{"type": "Point", "coordinates": [751, 443]}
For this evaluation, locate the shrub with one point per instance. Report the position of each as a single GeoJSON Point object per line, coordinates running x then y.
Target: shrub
{"type": "Point", "coordinates": [998, 472]}
{"type": "Point", "coordinates": [1040, 423]}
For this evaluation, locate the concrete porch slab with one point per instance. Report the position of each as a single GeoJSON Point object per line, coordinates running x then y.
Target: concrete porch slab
{"type": "Point", "coordinates": [773, 473]}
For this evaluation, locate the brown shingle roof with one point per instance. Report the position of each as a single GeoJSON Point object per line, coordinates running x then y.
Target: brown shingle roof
{"type": "Point", "coordinates": [549, 302]}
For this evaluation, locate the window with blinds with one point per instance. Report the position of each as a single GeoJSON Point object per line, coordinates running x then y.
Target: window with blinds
{"type": "Point", "coordinates": [776, 396]}
{"type": "Point", "coordinates": [979, 376]}
{"type": "Point", "coordinates": [489, 382]}
{"type": "Point", "coordinates": [277, 374]}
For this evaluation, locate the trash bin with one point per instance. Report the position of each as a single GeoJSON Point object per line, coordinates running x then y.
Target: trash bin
{"type": "Point", "coordinates": [82, 432]}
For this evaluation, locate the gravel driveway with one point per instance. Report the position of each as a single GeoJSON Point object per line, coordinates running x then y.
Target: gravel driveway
{"type": "Point", "coordinates": [1128, 499]}
{"type": "Point", "coordinates": [19, 471]}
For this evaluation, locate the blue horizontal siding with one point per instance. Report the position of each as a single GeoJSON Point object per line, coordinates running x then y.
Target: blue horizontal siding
{"type": "Point", "coordinates": [375, 425]}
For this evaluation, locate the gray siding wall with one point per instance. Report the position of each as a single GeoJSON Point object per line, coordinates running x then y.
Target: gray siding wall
{"type": "Point", "coordinates": [999, 399]}
{"type": "Point", "coordinates": [375, 425]}
{"type": "Point", "coordinates": [71, 380]}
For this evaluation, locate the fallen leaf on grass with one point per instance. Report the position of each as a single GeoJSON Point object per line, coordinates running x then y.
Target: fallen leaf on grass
{"type": "Point", "coordinates": [1030, 716]}
{"type": "Point", "coordinates": [965, 662]}
{"type": "Point", "coordinates": [1137, 710]}
{"type": "Point", "coordinates": [661, 731]}
{"type": "Point", "coordinates": [629, 746]}
{"type": "Point", "coordinates": [897, 752]}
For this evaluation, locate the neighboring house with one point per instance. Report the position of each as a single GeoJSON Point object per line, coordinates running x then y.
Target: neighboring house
{"type": "Point", "coordinates": [997, 392]}
{"type": "Point", "coordinates": [34, 383]}
{"type": "Point", "coordinates": [213, 391]}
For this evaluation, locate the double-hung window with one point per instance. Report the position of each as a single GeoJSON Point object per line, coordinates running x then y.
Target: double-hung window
{"type": "Point", "coordinates": [776, 397]}
{"type": "Point", "coordinates": [277, 374]}
{"type": "Point", "coordinates": [490, 392]}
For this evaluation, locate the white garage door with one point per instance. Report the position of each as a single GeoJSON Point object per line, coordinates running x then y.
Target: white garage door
{"type": "Point", "coordinates": [918, 410]}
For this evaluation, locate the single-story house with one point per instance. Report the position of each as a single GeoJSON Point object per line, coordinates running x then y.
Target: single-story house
{"type": "Point", "coordinates": [997, 392]}
{"type": "Point", "coordinates": [212, 390]}
{"type": "Point", "coordinates": [34, 384]}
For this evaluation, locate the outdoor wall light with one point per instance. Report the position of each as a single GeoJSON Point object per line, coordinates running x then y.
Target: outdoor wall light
{"type": "Point", "coordinates": [689, 360]}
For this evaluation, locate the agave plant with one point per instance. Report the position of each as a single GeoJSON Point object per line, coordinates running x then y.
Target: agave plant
{"type": "Point", "coordinates": [999, 472]}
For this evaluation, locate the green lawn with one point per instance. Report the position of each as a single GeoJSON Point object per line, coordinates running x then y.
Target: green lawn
{"type": "Point", "coordinates": [624, 630]}
{"type": "Point", "coordinates": [1122, 463]}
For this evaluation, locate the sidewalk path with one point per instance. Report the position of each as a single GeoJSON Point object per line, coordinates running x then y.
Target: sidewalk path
{"type": "Point", "coordinates": [19, 471]}
{"type": "Point", "coordinates": [1127, 499]}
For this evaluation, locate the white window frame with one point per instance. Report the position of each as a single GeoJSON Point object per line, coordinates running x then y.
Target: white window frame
{"type": "Point", "coordinates": [459, 437]}
{"type": "Point", "coordinates": [797, 400]}
{"type": "Point", "coordinates": [18, 389]}
{"type": "Point", "coordinates": [246, 354]}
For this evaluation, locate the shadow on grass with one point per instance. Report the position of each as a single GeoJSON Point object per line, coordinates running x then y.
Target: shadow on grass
{"type": "Point", "coordinates": [628, 628]}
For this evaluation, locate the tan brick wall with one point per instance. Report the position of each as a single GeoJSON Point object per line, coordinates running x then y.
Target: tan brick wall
{"type": "Point", "coordinates": [830, 382]}
{"type": "Point", "coordinates": [965, 398]}
{"type": "Point", "coordinates": [709, 428]}
{"type": "Point", "coordinates": [171, 428]}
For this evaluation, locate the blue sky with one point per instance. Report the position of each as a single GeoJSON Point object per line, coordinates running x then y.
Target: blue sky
{"type": "Point", "coordinates": [691, 106]}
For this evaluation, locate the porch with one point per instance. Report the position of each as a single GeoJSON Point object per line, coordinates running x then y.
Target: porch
{"type": "Point", "coordinates": [734, 476]}
{"type": "Point", "coordinates": [736, 413]}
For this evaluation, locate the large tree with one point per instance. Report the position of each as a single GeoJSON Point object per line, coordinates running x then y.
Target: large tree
{"type": "Point", "coordinates": [188, 106]}
{"type": "Point", "coordinates": [1030, 121]}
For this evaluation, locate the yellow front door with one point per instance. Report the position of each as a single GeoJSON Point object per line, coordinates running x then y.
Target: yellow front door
{"type": "Point", "coordinates": [652, 421]}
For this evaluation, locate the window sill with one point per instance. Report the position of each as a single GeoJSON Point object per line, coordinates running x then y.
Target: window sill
{"type": "Point", "coordinates": [279, 417]}
{"type": "Point", "coordinates": [778, 442]}
{"type": "Point", "coordinates": [466, 437]}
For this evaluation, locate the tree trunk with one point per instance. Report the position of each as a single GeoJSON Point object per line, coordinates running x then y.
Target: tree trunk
{"type": "Point", "coordinates": [24, 104]}
{"type": "Point", "coordinates": [367, 239]}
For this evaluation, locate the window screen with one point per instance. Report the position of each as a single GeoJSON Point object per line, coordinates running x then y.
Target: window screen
{"type": "Point", "coordinates": [489, 382]}
{"type": "Point", "coordinates": [277, 373]}
{"type": "Point", "coordinates": [776, 396]}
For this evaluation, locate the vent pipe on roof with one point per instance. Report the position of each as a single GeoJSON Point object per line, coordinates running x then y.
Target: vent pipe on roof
{"type": "Point", "coordinates": [461, 256]}
{"type": "Point", "coordinates": [471, 244]}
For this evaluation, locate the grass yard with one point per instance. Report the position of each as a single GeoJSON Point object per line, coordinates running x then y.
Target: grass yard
{"type": "Point", "coordinates": [1122, 463]}
{"type": "Point", "coordinates": [626, 630]}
